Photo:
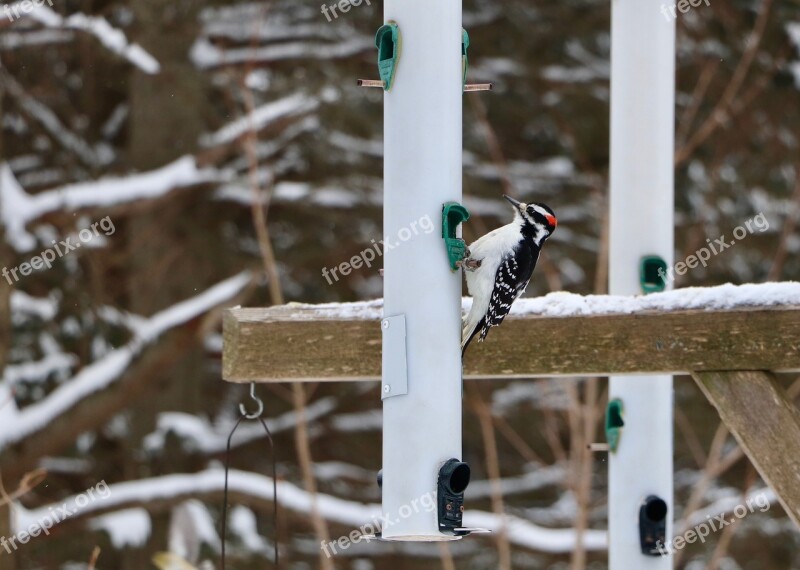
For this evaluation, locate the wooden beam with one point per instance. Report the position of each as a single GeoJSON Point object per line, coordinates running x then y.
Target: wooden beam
{"type": "Point", "coordinates": [308, 343]}
{"type": "Point", "coordinates": [765, 422]}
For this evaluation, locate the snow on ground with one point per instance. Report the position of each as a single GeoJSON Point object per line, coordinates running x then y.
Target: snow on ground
{"type": "Point", "coordinates": [102, 373]}
{"type": "Point", "coordinates": [563, 304]}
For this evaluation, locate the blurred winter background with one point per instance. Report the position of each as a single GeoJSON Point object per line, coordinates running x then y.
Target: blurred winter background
{"type": "Point", "coordinates": [229, 148]}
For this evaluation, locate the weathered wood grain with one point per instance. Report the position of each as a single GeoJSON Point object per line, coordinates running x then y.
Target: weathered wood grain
{"type": "Point", "coordinates": [765, 422]}
{"type": "Point", "coordinates": [304, 344]}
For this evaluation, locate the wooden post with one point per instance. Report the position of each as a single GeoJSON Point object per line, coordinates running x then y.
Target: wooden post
{"type": "Point", "coordinates": [765, 422]}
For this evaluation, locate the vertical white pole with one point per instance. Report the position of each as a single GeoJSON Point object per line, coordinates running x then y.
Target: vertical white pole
{"type": "Point", "coordinates": [422, 171]}
{"type": "Point", "coordinates": [641, 222]}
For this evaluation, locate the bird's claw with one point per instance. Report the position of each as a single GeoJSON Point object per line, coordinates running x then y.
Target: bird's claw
{"type": "Point", "coordinates": [469, 264]}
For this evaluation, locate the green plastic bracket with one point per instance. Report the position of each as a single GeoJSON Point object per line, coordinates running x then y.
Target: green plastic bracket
{"type": "Point", "coordinates": [464, 58]}
{"type": "Point", "coordinates": [454, 214]}
{"type": "Point", "coordinates": [614, 424]}
{"type": "Point", "coordinates": [652, 274]}
{"type": "Point", "coordinates": [387, 40]}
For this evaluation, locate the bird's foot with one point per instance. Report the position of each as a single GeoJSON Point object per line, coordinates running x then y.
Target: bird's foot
{"type": "Point", "coordinates": [470, 264]}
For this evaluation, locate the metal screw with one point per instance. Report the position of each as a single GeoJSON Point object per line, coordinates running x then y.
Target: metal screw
{"type": "Point", "coordinates": [449, 507]}
{"type": "Point", "coordinates": [387, 389]}
{"type": "Point", "coordinates": [385, 324]}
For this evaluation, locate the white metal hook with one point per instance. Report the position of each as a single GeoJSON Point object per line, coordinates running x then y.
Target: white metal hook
{"type": "Point", "coordinates": [260, 408]}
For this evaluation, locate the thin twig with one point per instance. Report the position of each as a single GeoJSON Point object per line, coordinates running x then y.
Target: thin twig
{"type": "Point", "coordinates": [788, 230]}
{"type": "Point", "coordinates": [698, 96]}
{"type": "Point", "coordinates": [585, 462]}
{"type": "Point", "coordinates": [715, 466]}
{"type": "Point", "coordinates": [690, 436]}
{"type": "Point", "coordinates": [493, 144]}
{"type": "Point", "coordinates": [447, 558]}
{"type": "Point", "coordinates": [29, 481]}
{"type": "Point", "coordinates": [484, 414]}
{"type": "Point", "coordinates": [260, 205]}
{"type": "Point", "coordinates": [552, 436]}
{"type": "Point", "coordinates": [721, 114]}
{"type": "Point", "coordinates": [516, 440]}
{"type": "Point", "coordinates": [93, 559]}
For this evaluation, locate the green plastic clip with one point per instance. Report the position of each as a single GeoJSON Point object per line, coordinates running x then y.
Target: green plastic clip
{"type": "Point", "coordinates": [388, 42]}
{"type": "Point", "coordinates": [454, 214]}
{"type": "Point", "coordinates": [614, 424]}
{"type": "Point", "coordinates": [464, 58]}
{"type": "Point", "coordinates": [653, 274]}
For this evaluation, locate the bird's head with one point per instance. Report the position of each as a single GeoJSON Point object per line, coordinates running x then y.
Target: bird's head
{"type": "Point", "coordinates": [536, 215]}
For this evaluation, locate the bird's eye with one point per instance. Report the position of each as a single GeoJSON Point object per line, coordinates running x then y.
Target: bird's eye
{"type": "Point", "coordinates": [531, 210]}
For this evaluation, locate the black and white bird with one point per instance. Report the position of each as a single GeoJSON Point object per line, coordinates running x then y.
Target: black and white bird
{"type": "Point", "coordinates": [499, 266]}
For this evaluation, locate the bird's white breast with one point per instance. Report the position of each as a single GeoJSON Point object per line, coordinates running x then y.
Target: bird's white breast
{"type": "Point", "coordinates": [490, 249]}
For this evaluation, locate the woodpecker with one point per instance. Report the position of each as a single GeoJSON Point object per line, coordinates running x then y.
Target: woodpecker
{"type": "Point", "coordinates": [499, 266]}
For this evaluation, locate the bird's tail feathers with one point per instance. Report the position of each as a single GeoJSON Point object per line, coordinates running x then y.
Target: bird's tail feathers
{"type": "Point", "coordinates": [468, 333]}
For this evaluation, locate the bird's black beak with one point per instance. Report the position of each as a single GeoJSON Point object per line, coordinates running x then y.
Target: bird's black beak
{"type": "Point", "coordinates": [515, 203]}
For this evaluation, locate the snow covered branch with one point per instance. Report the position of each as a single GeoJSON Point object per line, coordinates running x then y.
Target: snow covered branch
{"type": "Point", "coordinates": [17, 208]}
{"type": "Point", "coordinates": [96, 156]}
{"type": "Point", "coordinates": [255, 490]}
{"type": "Point", "coordinates": [113, 39]}
{"type": "Point", "coordinates": [106, 385]}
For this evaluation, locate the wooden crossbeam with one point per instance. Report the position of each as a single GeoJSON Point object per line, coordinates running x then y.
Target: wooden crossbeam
{"type": "Point", "coordinates": [308, 343]}
{"type": "Point", "coordinates": [724, 350]}
{"type": "Point", "coordinates": [765, 422]}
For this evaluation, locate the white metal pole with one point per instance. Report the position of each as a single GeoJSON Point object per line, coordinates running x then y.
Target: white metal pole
{"type": "Point", "coordinates": [641, 223]}
{"type": "Point", "coordinates": [422, 171]}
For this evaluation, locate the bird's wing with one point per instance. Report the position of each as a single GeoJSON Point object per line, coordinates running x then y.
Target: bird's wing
{"type": "Point", "coordinates": [505, 292]}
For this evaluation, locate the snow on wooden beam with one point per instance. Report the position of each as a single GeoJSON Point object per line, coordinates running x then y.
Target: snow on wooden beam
{"type": "Point", "coordinates": [748, 327]}
{"type": "Point", "coordinates": [766, 423]}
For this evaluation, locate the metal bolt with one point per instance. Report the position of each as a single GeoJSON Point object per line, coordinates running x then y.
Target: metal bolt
{"type": "Point", "coordinates": [387, 389]}
{"type": "Point", "coordinates": [449, 506]}
{"type": "Point", "coordinates": [385, 324]}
